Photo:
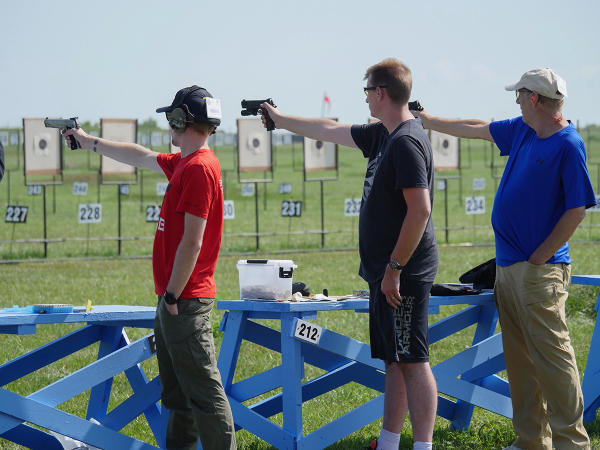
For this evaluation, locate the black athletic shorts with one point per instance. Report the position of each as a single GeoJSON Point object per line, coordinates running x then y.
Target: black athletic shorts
{"type": "Point", "coordinates": [400, 334]}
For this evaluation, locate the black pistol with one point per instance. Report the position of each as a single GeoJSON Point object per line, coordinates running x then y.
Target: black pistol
{"type": "Point", "coordinates": [64, 124]}
{"type": "Point", "coordinates": [252, 108]}
{"type": "Point", "coordinates": [415, 106]}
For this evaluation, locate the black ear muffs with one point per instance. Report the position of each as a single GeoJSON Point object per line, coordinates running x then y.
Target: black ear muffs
{"type": "Point", "coordinates": [177, 120]}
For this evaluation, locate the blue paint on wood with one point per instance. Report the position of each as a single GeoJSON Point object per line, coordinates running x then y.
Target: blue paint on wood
{"type": "Point", "coordinates": [49, 353]}
{"type": "Point", "coordinates": [27, 410]}
{"type": "Point", "coordinates": [32, 438]}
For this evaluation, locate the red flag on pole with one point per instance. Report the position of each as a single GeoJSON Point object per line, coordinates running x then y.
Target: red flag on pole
{"type": "Point", "coordinates": [326, 101]}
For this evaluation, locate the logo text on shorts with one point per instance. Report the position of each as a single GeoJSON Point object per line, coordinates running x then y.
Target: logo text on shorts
{"type": "Point", "coordinates": [403, 324]}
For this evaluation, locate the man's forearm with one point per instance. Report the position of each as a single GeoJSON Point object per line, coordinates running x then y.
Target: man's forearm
{"type": "Point", "coordinates": [468, 129]}
{"type": "Point", "coordinates": [127, 153]}
{"type": "Point", "coordinates": [183, 266]}
{"type": "Point", "coordinates": [562, 232]}
{"type": "Point", "coordinates": [410, 235]}
{"type": "Point", "coordinates": [318, 129]}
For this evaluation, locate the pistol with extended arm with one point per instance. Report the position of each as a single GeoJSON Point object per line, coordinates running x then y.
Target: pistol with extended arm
{"type": "Point", "coordinates": [252, 108]}
{"type": "Point", "coordinates": [64, 124]}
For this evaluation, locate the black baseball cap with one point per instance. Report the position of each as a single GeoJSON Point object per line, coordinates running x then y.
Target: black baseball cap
{"type": "Point", "coordinates": [193, 100]}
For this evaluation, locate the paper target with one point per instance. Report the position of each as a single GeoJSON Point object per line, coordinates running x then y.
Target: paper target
{"type": "Point", "coordinates": [319, 155]}
{"type": "Point", "coordinates": [4, 138]}
{"type": "Point", "coordinates": [42, 147]}
{"type": "Point", "coordinates": [254, 146]}
{"type": "Point", "coordinates": [117, 130]}
{"type": "Point", "coordinates": [446, 151]}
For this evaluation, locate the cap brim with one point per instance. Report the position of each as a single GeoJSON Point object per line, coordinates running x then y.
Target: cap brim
{"type": "Point", "coordinates": [165, 109]}
{"type": "Point", "coordinates": [513, 86]}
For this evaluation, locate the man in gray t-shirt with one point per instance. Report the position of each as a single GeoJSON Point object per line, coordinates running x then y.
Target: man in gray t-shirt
{"type": "Point", "coordinates": [397, 245]}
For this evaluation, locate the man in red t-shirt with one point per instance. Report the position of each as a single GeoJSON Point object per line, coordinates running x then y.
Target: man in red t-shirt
{"type": "Point", "coordinates": [184, 258]}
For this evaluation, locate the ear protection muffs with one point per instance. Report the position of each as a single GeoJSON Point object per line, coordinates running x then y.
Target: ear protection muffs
{"type": "Point", "coordinates": [177, 120]}
{"type": "Point", "coordinates": [178, 117]}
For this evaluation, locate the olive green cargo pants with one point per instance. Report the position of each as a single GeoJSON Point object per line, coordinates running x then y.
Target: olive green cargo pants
{"type": "Point", "coordinates": [191, 383]}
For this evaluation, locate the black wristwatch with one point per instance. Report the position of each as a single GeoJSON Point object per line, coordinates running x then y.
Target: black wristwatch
{"type": "Point", "coordinates": [170, 299]}
{"type": "Point", "coordinates": [394, 265]}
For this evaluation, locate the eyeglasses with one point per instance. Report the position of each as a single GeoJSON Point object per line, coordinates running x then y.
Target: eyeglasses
{"type": "Point", "coordinates": [372, 88]}
{"type": "Point", "coordinates": [518, 92]}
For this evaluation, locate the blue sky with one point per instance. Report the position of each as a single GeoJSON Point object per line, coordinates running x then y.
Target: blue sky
{"type": "Point", "coordinates": [124, 59]}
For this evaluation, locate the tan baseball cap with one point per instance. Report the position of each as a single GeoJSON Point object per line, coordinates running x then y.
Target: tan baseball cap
{"type": "Point", "coordinates": [545, 82]}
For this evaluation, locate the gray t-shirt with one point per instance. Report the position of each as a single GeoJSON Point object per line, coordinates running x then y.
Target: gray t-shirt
{"type": "Point", "coordinates": [1, 161]}
{"type": "Point", "coordinates": [400, 160]}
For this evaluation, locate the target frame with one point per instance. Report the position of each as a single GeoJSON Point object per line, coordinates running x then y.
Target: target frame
{"type": "Point", "coordinates": [109, 166]}
{"type": "Point", "coordinates": [248, 128]}
{"type": "Point", "coordinates": [31, 162]}
{"type": "Point", "coordinates": [441, 159]}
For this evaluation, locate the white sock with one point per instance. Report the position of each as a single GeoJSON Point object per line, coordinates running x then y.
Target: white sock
{"type": "Point", "coordinates": [388, 440]}
{"type": "Point", "coordinates": [422, 446]}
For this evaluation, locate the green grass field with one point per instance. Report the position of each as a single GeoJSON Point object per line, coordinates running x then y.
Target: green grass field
{"type": "Point", "coordinates": [129, 281]}
{"type": "Point", "coordinates": [281, 234]}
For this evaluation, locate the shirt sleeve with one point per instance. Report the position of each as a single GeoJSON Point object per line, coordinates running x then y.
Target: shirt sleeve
{"type": "Point", "coordinates": [576, 178]}
{"type": "Point", "coordinates": [409, 163]}
{"type": "Point", "coordinates": [197, 191]}
{"type": "Point", "coordinates": [168, 162]}
{"type": "Point", "coordinates": [503, 132]}
{"type": "Point", "coordinates": [365, 136]}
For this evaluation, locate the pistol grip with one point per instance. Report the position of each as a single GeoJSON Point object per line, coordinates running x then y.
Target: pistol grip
{"type": "Point", "coordinates": [74, 142]}
{"type": "Point", "coordinates": [270, 123]}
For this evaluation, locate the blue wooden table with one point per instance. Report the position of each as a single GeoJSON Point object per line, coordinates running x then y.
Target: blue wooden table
{"type": "Point", "coordinates": [591, 377]}
{"type": "Point", "coordinates": [468, 376]}
{"type": "Point", "coordinates": [116, 354]}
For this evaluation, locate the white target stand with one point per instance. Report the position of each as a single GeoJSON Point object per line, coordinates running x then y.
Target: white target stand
{"type": "Point", "coordinates": [111, 171]}
{"type": "Point", "coordinates": [42, 158]}
{"type": "Point", "coordinates": [446, 156]}
{"type": "Point", "coordinates": [255, 154]}
{"type": "Point", "coordinates": [321, 157]}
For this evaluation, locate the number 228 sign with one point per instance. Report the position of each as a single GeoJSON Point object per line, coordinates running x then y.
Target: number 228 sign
{"type": "Point", "coordinates": [91, 213]}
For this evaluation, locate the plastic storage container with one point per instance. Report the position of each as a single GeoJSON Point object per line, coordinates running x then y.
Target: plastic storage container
{"type": "Point", "coordinates": [266, 280]}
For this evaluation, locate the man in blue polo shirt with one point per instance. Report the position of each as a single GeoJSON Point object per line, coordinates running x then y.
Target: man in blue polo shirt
{"type": "Point", "coordinates": [542, 198]}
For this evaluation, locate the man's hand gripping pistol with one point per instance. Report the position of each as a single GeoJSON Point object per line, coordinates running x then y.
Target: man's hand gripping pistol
{"type": "Point", "coordinates": [252, 108]}
{"type": "Point", "coordinates": [64, 124]}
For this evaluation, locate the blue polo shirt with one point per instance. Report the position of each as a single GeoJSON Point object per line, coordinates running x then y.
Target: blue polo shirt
{"type": "Point", "coordinates": [542, 179]}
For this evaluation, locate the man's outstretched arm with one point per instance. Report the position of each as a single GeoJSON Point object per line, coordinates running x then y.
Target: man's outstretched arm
{"type": "Point", "coordinates": [468, 129]}
{"type": "Point", "coordinates": [320, 129]}
{"type": "Point", "coordinates": [131, 154]}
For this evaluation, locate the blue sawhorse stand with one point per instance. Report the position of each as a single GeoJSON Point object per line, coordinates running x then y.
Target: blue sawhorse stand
{"type": "Point", "coordinates": [591, 377]}
{"type": "Point", "coordinates": [115, 355]}
{"type": "Point", "coordinates": [346, 360]}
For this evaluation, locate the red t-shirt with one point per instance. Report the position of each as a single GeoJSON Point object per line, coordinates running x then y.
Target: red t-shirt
{"type": "Point", "coordinates": [195, 187]}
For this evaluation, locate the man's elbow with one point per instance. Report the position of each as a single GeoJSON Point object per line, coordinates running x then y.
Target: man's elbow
{"type": "Point", "coordinates": [192, 245]}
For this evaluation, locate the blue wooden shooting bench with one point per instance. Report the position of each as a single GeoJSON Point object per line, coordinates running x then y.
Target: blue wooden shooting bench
{"type": "Point", "coordinates": [116, 354]}
{"type": "Point", "coordinates": [591, 377]}
{"type": "Point", "coordinates": [469, 376]}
